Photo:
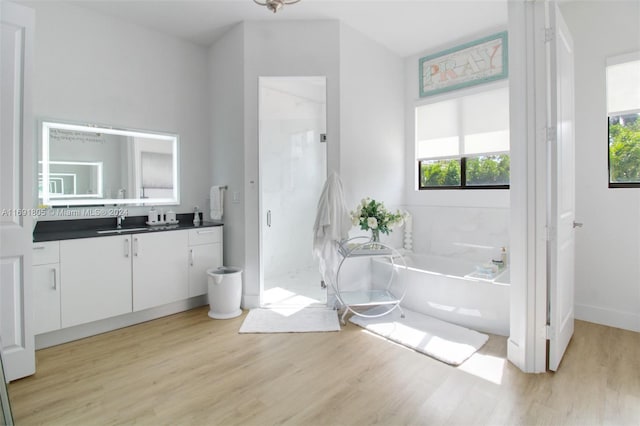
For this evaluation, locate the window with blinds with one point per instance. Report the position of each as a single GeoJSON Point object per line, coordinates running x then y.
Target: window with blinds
{"type": "Point", "coordinates": [464, 142]}
{"type": "Point", "coordinates": [623, 115]}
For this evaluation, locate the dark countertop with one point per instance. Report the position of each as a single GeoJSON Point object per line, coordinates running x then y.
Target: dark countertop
{"type": "Point", "coordinates": [54, 230]}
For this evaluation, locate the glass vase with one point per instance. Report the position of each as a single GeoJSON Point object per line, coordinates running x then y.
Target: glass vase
{"type": "Point", "coordinates": [375, 239]}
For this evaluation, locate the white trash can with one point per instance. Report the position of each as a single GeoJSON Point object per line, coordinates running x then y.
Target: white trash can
{"type": "Point", "coordinates": [225, 292]}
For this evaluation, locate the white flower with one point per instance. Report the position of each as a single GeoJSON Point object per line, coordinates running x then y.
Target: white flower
{"type": "Point", "coordinates": [365, 201]}
{"type": "Point", "coordinates": [355, 215]}
{"type": "Point", "coordinates": [372, 222]}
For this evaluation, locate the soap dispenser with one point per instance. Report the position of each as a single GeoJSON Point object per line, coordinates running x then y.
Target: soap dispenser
{"type": "Point", "coordinates": [196, 216]}
{"type": "Point", "coordinates": [153, 216]}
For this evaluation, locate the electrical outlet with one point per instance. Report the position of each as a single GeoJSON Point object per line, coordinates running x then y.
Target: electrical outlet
{"type": "Point", "coordinates": [236, 197]}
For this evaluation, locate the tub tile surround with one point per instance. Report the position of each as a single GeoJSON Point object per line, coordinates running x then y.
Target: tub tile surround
{"type": "Point", "coordinates": [475, 234]}
{"type": "Point", "coordinates": [439, 287]}
{"type": "Point", "coordinates": [448, 243]}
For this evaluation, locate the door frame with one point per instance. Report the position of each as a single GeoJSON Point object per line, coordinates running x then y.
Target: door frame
{"type": "Point", "coordinates": [527, 343]}
{"type": "Point", "coordinates": [561, 216]}
{"type": "Point", "coordinates": [261, 218]}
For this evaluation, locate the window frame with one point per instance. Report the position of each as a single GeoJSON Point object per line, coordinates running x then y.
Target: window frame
{"type": "Point", "coordinates": [463, 158]}
{"type": "Point", "coordinates": [463, 176]}
{"type": "Point", "coordinates": [616, 185]}
{"type": "Point", "coordinates": [612, 61]}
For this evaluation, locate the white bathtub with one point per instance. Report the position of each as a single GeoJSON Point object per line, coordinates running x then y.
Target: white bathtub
{"type": "Point", "coordinates": [440, 287]}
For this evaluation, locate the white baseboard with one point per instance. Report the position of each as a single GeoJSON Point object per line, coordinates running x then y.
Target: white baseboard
{"type": "Point", "coordinates": [610, 317]}
{"type": "Point", "coordinates": [250, 301]}
{"type": "Point", "coordinates": [81, 331]}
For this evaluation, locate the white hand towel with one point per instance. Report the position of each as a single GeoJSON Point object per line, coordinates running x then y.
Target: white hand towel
{"type": "Point", "coordinates": [332, 224]}
{"type": "Point", "coordinates": [216, 195]}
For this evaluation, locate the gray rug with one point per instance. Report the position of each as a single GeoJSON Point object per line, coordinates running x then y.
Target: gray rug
{"type": "Point", "coordinates": [441, 340]}
{"type": "Point", "coordinates": [290, 320]}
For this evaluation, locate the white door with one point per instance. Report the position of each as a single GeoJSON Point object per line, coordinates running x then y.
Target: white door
{"type": "Point", "coordinates": [293, 164]}
{"type": "Point", "coordinates": [561, 191]}
{"type": "Point", "coordinates": [16, 200]}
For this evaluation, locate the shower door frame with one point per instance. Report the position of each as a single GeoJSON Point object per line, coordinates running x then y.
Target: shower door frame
{"type": "Point", "coordinates": [264, 218]}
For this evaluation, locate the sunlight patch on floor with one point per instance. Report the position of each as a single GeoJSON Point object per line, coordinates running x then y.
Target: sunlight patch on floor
{"type": "Point", "coordinates": [486, 367]}
{"type": "Point", "coordinates": [301, 286]}
{"type": "Point", "coordinates": [285, 300]}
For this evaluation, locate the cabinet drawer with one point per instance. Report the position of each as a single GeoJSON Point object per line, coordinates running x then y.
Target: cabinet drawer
{"type": "Point", "coordinates": [205, 235]}
{"type": "Point", "coordinates": [47, 252]}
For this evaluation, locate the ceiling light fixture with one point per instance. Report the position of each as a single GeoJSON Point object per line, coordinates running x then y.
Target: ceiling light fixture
{"type": "Point", "coordinates": [275, 5]}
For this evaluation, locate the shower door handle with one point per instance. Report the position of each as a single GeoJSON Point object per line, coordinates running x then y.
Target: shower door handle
{"type": "Point", "coordinates": [269, 218]}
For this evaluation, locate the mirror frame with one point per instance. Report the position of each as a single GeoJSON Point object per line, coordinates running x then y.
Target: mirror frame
{"type": "Point", "coordinates": [47, 200]}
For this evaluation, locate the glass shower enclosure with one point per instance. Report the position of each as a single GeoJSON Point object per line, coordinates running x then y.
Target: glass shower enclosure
{"type": "Point", "coordinates": [293, 169]}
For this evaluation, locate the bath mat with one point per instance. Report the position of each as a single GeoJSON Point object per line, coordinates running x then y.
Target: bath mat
{"type": "Point", "coordinates": [290, 320]}
{"type": "Point", "coordinates": [441, 340]}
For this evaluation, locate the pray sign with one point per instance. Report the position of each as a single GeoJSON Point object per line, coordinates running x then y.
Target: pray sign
{"type": "Point", "coordinates": [473, 63]}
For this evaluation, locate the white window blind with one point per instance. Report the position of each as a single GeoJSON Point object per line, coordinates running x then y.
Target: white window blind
{"type": "Point", "coordinates": [623, 84]}
{"type": "Point", "coordinates": [475, 124]}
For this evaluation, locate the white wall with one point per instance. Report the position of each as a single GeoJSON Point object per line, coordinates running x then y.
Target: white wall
{"type": "Point", "coordinates": [94, 68]}
{"type": "Point", "coordinates": [364, 100]}
{"type": "Point", "coordinates": [608, 246]}
{"type": "Point", "coordinates": [473, 224]}
{"type": "Point", "coordinates": [372, 160]}
{"type": "Point", "coordinates": [290, 48]}
{"type": "Point", "coordinates": [226, 89]}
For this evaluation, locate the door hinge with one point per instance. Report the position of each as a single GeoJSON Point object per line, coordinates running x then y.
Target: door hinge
{"type": "Point", "coordinates": [551, 233]}
{"type": "Point", "coordinates": [550, 332]}
{"type": "Point", "coordinates": [551, 134]}
{"type": "Point", "coordinates": [549, 35]}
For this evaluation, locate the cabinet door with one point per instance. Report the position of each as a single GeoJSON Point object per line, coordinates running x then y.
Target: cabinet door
{"type": "Point", "coordinates": [160, 261]}
{"type": "Point", "coordinates": [201, 258]}
{"type": "Point", "coordinates": [96, 275]}
{"type": "Point", "coordinates": [46, 292]}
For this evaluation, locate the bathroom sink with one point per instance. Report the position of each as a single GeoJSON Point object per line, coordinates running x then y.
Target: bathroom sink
{"type": "Point", "coordinates": [120, 231]}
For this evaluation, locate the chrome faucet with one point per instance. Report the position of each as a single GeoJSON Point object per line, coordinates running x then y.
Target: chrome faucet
{"type": "Point", "coordinates": [119, 220]}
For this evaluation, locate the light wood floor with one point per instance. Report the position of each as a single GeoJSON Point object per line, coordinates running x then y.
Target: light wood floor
{"type": "Point", "coordinates": [188, 369]}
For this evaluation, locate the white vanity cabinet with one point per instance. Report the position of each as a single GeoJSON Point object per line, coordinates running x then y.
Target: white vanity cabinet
{"type": "Point", "coordinates": [88, 282]}
{"type": "Point", "coordinates": [96, 278]}
{"type": "Point", "coordinates": [159, 268]}
{"type": "Point", "coordinates": [46, 286]}
{"type": "Point", "coordinates": [205, 252]}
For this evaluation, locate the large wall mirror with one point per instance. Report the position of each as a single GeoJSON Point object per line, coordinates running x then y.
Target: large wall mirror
{"type": "Point", "coordinates": [85, 165]}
